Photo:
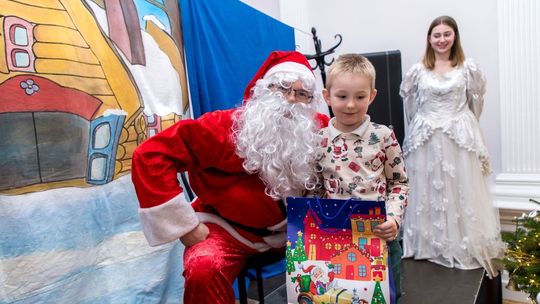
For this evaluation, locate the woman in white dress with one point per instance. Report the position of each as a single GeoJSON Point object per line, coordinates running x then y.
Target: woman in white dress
{"type": "Point", "coordinates": [450, 219]}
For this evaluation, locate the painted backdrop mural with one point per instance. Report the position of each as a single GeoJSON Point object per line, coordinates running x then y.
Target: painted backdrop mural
{"type": "Point", "coordinates": [75, 78]}
{"type": "Point", "coordinates": [82, 83]}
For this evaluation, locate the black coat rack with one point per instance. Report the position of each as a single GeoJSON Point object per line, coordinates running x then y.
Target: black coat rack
{"type": "Point", "coordinates": [319, 55]}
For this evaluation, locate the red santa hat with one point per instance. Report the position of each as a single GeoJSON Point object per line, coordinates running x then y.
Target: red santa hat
{"type": "Point", "coordinates": [281, 61]}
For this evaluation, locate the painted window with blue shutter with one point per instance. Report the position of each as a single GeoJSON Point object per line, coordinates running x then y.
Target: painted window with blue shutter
{"type": "Point", "coordinates": [104, 134]}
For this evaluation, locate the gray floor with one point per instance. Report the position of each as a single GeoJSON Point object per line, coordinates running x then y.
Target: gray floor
{"type": "Point", "coordinates": [274, 290]}
{"type": "Point", "coordinates": [425, 282]}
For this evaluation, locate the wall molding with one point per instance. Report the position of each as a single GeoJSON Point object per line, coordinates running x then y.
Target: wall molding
{"type": "Point", "coordinates": [519, 72]}
{"type": "Point", "coordinates": [511, 194]}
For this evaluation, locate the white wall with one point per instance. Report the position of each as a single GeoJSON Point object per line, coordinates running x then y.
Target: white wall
{"type": "Point", "coordinates": [371, 26]}
{"type": "Point", "coordinates": [270, 7]}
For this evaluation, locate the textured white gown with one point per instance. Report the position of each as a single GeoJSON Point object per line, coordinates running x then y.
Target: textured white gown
{"type": "Point", "coordinates": [450, 219]}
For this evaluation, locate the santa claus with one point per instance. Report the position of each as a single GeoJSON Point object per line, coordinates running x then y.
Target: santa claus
{"type": "Point", "coordinates": [320, 281]}
{"type": "Point", "coordinates": [241, 164]}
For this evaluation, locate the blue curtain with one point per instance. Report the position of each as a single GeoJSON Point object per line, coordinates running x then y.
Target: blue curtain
{"type": "Point", "coordinates": [225, 42]}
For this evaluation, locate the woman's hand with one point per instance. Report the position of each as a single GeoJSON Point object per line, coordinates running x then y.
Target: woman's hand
{"type": "Point", "coordinates": [197, 235]}
{"type": "Point", "coordinates": [388, 230]}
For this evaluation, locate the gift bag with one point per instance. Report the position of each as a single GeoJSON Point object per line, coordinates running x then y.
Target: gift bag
{"type": "Point", "coordinates": [332, 255]}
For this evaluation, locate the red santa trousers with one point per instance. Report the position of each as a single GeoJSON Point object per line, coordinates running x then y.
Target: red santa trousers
{"type": "Point", "coordinates": [211, 266]}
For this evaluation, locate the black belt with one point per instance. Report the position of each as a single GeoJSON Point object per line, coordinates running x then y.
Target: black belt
{"type": "Point", "coordinates": [261, 232]}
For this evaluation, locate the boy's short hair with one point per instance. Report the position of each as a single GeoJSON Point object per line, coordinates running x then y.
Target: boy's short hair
{"type": "Point", "coordinates": [351, 63]}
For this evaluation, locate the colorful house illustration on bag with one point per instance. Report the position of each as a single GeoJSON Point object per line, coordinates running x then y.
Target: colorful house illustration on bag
{"type": "Point", "coordinates": [362, 231]}
{"type": "Point", "coordinates": [71, 112]}
{"type": "Point", "coordinates": [323, 244]}
{"type": "Point", "coordinates": [335, 251]}
{"type": "Point", "coordinates": [352, 264]}
{"type": "Point", "coordinates": [354, 251]}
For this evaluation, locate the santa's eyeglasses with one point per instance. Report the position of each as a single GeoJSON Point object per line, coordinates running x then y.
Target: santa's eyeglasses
{"type": "Point", "coordinates": [299, 94]}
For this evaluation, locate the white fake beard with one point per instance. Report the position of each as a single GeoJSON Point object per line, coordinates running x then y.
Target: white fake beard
{"type": "Point", "coordinates": [278, 140]}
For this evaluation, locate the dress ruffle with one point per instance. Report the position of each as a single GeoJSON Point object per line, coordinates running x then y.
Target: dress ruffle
{"type": "Point", "coordinates": [463, 130]}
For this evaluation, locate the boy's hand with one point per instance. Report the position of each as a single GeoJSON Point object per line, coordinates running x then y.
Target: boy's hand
{"type": "Point", "coordinates": [199, 234]}
{"type": "Point", "coordinates": [388, 230]}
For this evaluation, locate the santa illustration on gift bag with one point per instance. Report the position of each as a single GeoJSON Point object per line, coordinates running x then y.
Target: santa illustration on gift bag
{"type": "Point", "coordinates": [320, 281]}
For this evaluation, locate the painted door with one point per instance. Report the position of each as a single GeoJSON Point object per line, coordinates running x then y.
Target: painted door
{"type": "Point", "coordinates": [375, 247]}
{"type": "Point", "coordinates": [312, 252]}
{"type": "Point", "coordinates": [42, 147]}
{"type": "Point", "coordinates": [349, 274]}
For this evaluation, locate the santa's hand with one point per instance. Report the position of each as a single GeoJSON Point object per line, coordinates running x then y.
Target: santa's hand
{"type": "Point", "coordinates": [387, 231]}
{"type": "Point", "coordinates": [199, 234]}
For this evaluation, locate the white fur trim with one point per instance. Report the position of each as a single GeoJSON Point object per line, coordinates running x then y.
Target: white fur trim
{"type": "Point", "coordinates": [168, 221]}
{"type": "Point", "coordinates": [281, 226]}
{"type": "Point", "coordinates": [212, 218]}
{"type": "Point", "coordinates": [291, 66]}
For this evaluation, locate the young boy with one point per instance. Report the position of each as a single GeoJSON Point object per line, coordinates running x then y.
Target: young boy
{"type": "Point", "coordinates": [359, 158]}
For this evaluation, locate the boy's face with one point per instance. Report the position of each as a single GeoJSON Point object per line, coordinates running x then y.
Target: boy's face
{"type": "Point", "coordinates": [349, 97]}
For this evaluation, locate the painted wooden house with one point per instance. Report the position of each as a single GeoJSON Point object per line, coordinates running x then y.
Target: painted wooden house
{"type": "Point", "coordinates": [70, 111]}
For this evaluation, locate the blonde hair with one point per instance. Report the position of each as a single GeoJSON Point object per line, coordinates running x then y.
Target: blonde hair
{"type": "Point", "coordinates": [351, 63]}
{"type": "Point", "coordinates": [456, 53]}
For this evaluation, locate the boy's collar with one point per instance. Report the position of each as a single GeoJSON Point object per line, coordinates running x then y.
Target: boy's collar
{"type": "Point", "coordinates": [358, 131]}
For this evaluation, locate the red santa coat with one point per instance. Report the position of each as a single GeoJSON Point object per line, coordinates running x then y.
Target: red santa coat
{"type": "Point", "coordinates": [226, 193]}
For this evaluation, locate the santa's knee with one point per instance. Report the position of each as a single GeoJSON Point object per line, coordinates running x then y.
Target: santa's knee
{"type": "Point", "coordinates": [202, 268]}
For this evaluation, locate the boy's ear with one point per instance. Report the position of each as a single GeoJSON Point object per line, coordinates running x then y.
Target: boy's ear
{"type": "Point", "coordinates": [326, 96]}
{"type": "Point", "coordinates": [372, 95]}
